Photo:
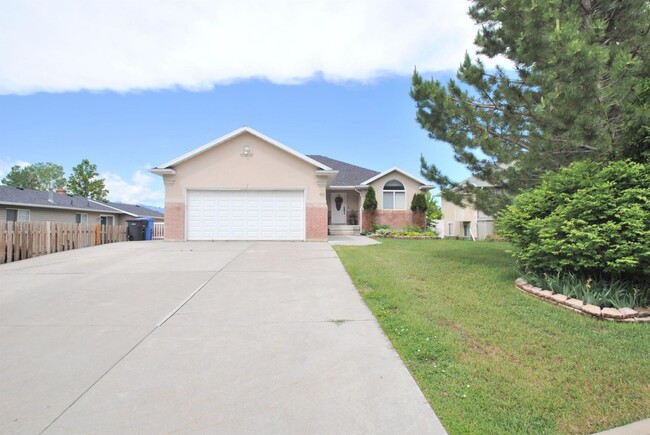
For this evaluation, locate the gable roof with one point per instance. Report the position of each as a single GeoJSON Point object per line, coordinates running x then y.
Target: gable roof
{"type": "Point", "coordinates": [396, 169]}
{"type": "Point", "coordinates": [349, 175]}
{"type": "Point", "coordinates": [195, 152]}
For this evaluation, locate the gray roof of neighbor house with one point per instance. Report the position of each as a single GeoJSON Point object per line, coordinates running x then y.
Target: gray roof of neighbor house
{"type": "Point", "coordinates": [37, 198]}
{"type": "Point", "coordinates": [476, 182]}
{"type": "Point", "coordinates": [14, 196]}
{"type": "Point", "coordinates": [138, 210]}
{"type": "Point", "coordinates": [349, 175]}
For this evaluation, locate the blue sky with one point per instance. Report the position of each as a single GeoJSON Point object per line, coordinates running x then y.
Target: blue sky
{"type": "Point", "coordinates": [99, 84]}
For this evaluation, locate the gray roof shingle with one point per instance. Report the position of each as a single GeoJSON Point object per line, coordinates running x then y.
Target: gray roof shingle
{"type": "Point", "coordinates": [349, 175]}
{"type": "Point", "coordinates": [138, 210]}
{"type": "Point", "coordinates": [14, 195]}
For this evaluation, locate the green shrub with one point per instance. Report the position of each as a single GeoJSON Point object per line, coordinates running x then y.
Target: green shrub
{"type": "Point", "coordinates": [588, 219]}
{"type": "Point", "coordinates": [370, 201]}
{"type": "Point", "coordinates": [419, 203]}
{"type": "Point", "coordinates": [383, 232]}
{"type": "Point", "coordinates": [376, 227]}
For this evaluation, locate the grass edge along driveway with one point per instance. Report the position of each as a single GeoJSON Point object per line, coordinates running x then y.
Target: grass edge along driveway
{"type": "Point", "coordinates": [491, 359]}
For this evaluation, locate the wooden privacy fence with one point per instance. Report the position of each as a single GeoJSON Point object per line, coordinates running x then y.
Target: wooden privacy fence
{"type": "Point", "coordinates": [22, 240]}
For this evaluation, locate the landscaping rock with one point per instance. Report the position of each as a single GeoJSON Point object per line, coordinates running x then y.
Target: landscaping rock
{"type": "Point", "coordinates": [559, 298]}
{"type": "Point", "coordinates": [643, 311]}
{"type": "Point", "coordinates": [628, 312]}
{"type": "Point", "coordinates": [574, 303]}
{"type": "Point", "coordinates": [520, 281]}
{"type": "Point", "coordinates": [546, 294]}
{"type": "Point", "coordinates": [592, 309]}
{"type": "Point", "coordinates": [612, 313]}
{"type": "Point", "coordinates": [536, 290]}
{"type": "Point", "coordinates": [527, 287]}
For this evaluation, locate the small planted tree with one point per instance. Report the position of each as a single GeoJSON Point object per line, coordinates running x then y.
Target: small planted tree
{"type": "Point", "coordinates": [369, 208]}
{"type": "Point", "coordinates": [419, 207]}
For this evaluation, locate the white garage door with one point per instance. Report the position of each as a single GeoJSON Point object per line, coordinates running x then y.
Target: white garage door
{"type": "Point", "coordinates": [245, 215]}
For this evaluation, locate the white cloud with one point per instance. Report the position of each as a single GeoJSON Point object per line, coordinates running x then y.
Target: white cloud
{"type": "Point", "coordinates": [123, 45]}
{"type": "Point", "coordinates": [141, 189]}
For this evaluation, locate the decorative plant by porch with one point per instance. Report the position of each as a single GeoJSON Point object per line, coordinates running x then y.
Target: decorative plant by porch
{"type": "Point", "coordinates": [369, 207]}
{"type": "Point", "coordinates": [370, 202]}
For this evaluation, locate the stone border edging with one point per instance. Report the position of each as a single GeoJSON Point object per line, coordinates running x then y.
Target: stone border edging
{"type": "Point", "coordinates": [373, 236]}
{"type": "Point", "coordinates": [616, 314]}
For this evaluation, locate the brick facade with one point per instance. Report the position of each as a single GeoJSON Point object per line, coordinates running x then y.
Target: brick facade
{"type": "Point", "coordinates": [393, 218]}
{"type": "Point", "coordinates": [174, 221]}
{"type": "Point", "coordinates": [316, 215]}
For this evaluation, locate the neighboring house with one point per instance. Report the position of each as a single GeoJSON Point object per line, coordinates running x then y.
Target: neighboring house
{"type": "Point", "coordinates": [18, 204]}
{"type": "Point", "coordinates": [467, 222]}
{"type": "Point", "coordinates": [247, 186]}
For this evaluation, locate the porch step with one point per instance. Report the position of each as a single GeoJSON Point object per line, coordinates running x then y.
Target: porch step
{"type": "Point", "coordinates": [343, 230]}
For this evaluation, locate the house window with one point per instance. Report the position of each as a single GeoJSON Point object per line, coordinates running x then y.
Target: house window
{"type": "Point", "coordinates": [450, 229]}
{"type": "Point", "coordinates": [106, 220]}
{"type": "Point", "coordinates": [17, 215]}
{"type": "Point", "coordinates": [81, 218]}
{"type": "Point", "coordinates": [394, 196]}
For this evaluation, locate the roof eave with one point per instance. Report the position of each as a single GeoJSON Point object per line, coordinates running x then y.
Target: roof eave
{"type": "Point", "coordinates": [234, 134]}
{"type": "Point", "coordinates": [388, 171]}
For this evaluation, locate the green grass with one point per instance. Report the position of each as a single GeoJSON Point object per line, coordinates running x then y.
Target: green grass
{"type": "Point", "coordinates": [491, 359]}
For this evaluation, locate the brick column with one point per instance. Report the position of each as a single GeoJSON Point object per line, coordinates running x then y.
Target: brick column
{"type": "Point", "coordinates": [316, 215]}
{"type": "Point", "coordinates": [174, 221]}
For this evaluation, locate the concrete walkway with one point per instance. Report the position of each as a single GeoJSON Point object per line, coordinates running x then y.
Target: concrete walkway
{"type": "Point", "coordinates": [222, 337]}
{"type": "Point", "coordinates": [356, 240]}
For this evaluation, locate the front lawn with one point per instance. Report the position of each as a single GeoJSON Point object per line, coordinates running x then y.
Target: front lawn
{"type": "Point", "coordinates": [491, 359]}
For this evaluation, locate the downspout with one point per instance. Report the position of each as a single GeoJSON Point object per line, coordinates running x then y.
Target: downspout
{"type": "Point", "coordinates": [360, 210]}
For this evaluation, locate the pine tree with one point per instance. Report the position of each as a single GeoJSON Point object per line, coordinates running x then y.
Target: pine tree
{"type": "Point", "coordinates": [578, 91]}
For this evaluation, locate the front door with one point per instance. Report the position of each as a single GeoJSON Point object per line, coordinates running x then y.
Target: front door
{"type": "Point", "coordinates": [338, 207]}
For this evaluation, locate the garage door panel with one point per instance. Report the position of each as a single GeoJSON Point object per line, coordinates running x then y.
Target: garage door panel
{"type": "Point", "coordinates": [245, 215]}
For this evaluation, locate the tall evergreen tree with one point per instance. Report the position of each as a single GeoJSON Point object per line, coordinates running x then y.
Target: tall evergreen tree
{"type": "Point", "coordinates": [578, 89]}
{"type": "Point", "coordinates": [85, 182]}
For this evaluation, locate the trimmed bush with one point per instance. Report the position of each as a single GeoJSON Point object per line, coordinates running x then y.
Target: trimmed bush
{"type": "Point", "coordinates": [589, 219]}
{"type": "Point", "coordinates": [370, 202]}
{"type": "Point", "coordinates": [419, 203]}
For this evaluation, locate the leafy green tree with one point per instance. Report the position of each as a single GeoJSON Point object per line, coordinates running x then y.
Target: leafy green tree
{"type": "Point", "coordinates": [589, 219]}
{"type": "Point", "coordinates": [38, 176]}
{"type": "Point", "coordinates": [85, 182]}
{"type": "Point", "coordinates": [578, 90]}
{"type": "Point", "coordinates": [434, 212]}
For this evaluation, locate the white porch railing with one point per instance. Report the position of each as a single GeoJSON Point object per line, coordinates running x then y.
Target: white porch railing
{"type": "Point", "coordinates": [158, 230]}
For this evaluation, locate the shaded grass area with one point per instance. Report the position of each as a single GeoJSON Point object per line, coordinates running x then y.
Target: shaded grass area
{"type": "Point", "coordinates": [491, 359]}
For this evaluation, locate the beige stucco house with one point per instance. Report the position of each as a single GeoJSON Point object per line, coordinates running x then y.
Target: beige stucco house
{"type": "Point", "coordinates": [247, 186]}
{"type": "Point", "coordinates": [467, 222]}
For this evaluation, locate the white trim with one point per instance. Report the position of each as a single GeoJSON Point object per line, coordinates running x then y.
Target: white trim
{"type": "Point", "coordinates": [162, 171]}
{"type": "Point", "coordinates": [396, 169]}
{"type": "Point", "coordinates": [232, 135]}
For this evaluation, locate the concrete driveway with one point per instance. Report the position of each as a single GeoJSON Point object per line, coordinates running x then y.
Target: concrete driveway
{"type": "Point", "coordinates": [197, 337]}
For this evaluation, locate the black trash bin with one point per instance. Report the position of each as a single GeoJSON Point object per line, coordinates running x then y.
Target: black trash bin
{"type": "Point", "coordinates": [136, 229]}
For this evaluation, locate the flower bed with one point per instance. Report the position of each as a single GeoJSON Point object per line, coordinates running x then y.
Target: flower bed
{"type": "Point", "coordinates": [637, 314]}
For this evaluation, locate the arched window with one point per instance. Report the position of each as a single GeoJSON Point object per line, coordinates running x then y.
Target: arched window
{"type": "Point", "coordinates": [394, 196]}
